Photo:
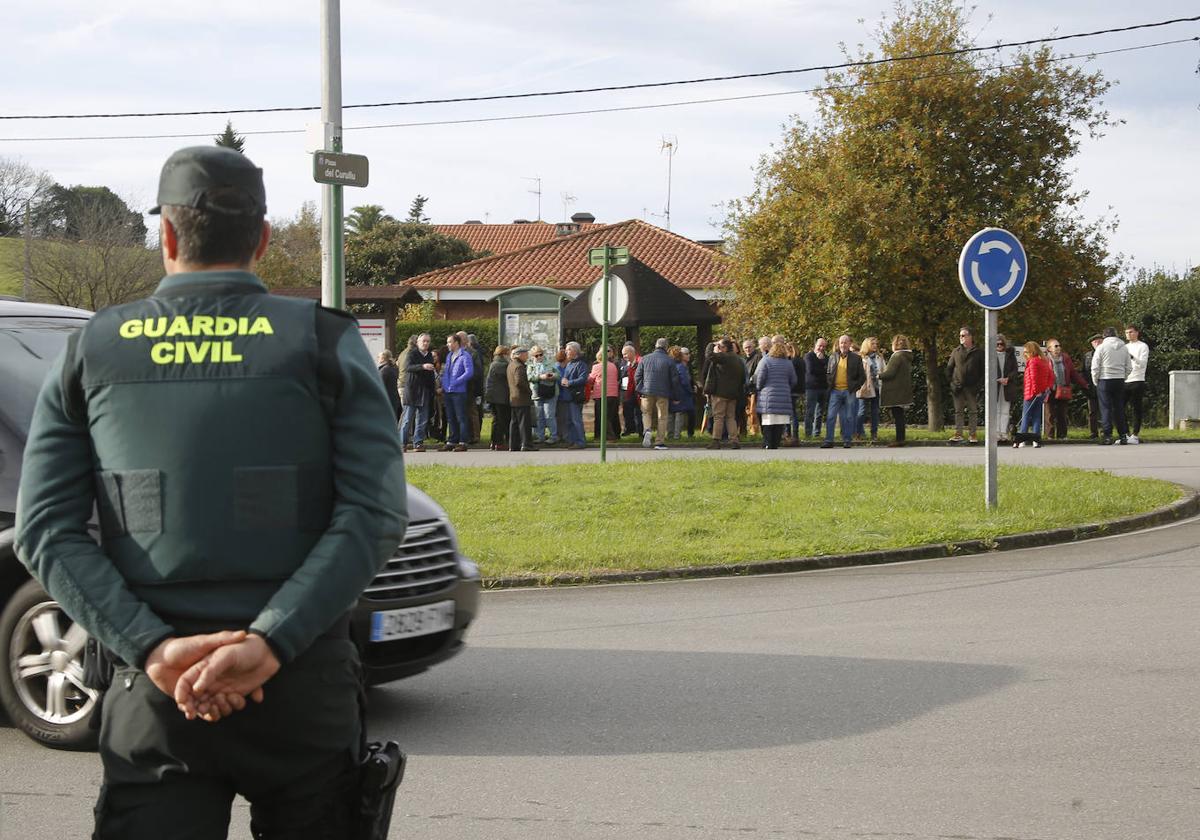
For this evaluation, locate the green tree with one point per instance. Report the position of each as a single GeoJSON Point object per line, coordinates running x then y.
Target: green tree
{"type": "Point", "coordinates": [94, 255]}
{"type": "Point", "coordinates": [1165, 305]}
{"type": "Point", "coordinates": [416, 211]}
{"type": "Point", "coordinates": [75, 213]}
{"type": "Point", "coordinates": [230, 139]}
{"type": "Point", "coordinates": [856, 222]}
{"type": "Point", "coordinates": [294, 256]}
{"type": "Point", "coordinates": [393, 251]}
{"type": "Point", "coordinates": [364, 217]}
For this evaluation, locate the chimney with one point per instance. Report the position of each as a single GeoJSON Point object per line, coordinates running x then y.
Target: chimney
{"type": "Point", "coordinates": [583, 218]}
{"type": "Point", "coordinates": [521, 222]}
{"type": "Point", "coordinates": [472, 222]}
{"type": "Point", "coordinates": [566, 228]}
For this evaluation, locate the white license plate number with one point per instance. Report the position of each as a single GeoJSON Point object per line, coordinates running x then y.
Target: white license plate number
{"type": "Point", "coordinates": [388, 625]}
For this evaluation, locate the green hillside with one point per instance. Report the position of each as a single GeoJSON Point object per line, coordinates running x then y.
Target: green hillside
{"type": "Point", "coordinates": [10, 266]}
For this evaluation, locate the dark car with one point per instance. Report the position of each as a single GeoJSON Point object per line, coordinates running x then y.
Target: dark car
{"type": "Point", "coordinates": [412, 616]}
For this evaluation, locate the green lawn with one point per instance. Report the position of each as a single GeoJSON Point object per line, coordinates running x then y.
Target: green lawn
{"type": "Point", "coordinates": [540, 521]}
{"type": "Point", "coordinates": [10, 266]}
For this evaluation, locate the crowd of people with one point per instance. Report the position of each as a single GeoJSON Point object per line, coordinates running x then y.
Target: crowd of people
{"type": "Point", "coordinates": [768, 387]}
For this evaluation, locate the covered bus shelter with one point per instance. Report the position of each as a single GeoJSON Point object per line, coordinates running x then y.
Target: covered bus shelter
{"type": "Point", "coordinates": [653, 301]}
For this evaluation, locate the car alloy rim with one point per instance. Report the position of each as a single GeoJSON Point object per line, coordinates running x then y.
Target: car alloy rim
{"type": "Point", "coordinates": [47, 665]}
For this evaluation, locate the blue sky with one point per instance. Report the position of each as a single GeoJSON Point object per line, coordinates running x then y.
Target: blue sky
{"type": "Point", "coordinates": [122, 55]}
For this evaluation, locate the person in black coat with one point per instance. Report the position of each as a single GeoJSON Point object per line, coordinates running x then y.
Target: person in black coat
{"type": "Point", "coordinates": [419, 393]}
{"type": "Point", "coordinates": [816, 389]}
{"type": "Point", "coordinates": [390, 374]}
{"type": "Point", "coordinates": [495, 391]}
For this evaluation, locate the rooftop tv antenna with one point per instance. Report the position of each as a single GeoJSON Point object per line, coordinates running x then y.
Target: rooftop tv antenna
{"type": "Point", "coordinates": [670, 145]}
{"type": "Point", "coordinates": [567, 200]}
{"type": "Point", "coordinates": [538, 192]}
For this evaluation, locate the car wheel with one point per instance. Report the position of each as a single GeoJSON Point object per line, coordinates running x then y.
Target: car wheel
{"type": "Point", "coordinates": [41, 671]}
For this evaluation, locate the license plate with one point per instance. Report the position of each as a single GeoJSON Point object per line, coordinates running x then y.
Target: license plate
{"type": "Point", "coordinates": [388, 625]}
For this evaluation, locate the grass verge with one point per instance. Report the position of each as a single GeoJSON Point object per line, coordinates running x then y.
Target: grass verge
{"type": "Point", "coordinates": [542, 521]}
{"type": "Point", "coordinates": [10, 265]}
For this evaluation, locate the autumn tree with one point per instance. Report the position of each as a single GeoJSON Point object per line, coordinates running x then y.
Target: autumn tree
{"type": "Point", "coordinates": [294, 255]}
{"type": "Point", "coordinates": [22, 188]}
{"type": "Point", "coordinates": [856, 222]}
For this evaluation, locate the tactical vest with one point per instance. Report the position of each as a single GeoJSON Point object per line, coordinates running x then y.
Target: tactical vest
{"type": "Point", "coordinates": [211, 440]}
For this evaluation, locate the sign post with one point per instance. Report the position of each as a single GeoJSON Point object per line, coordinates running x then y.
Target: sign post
{"type": "Point", "coordinates": [604, 314]}
{"type": "Point", "coordinates": [333, 270]}
{"type": "Point", "coordinates": [992, 270]}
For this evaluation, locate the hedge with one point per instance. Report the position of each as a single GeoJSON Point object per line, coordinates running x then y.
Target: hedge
{"type": "Point", "coordinates": [484, 329]}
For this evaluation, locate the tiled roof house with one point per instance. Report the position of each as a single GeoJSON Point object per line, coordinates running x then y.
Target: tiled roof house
{"type": "Point", "coordinates": [561, 262]}
{"type": "Point", "coordinates": [501, 239]}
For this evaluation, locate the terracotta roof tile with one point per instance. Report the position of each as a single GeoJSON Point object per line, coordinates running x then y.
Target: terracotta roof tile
{"type": "Point", "coordinates": [502, 239]}
{"type": "Point", "coordinates": [563, 263]}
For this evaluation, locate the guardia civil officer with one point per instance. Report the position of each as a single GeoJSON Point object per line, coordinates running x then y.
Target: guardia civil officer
{"type": "Point", "coordinates": [243, 459]}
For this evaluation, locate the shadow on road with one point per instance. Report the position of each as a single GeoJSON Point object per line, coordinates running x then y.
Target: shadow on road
{"type": "Point", "coordinates": [529, 701]}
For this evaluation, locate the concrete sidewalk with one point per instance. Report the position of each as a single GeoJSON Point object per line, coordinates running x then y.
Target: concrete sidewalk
{"type": "Point", "coordinates": [1177, 462]}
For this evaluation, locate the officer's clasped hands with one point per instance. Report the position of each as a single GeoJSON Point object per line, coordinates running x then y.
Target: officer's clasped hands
{"type": "Point", "coordinates": [214, 687]}
{"type": "Point", "coordinates": [209, 686]}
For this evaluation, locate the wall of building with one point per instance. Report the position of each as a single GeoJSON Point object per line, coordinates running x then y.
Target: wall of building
{"type": "Point", "coordinates": [454, 310]}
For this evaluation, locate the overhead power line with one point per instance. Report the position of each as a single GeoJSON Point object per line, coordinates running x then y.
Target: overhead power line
{"type": "Point", "coordinates": [610, 88]}
{"type": "Point", "coordinates": [616, 109]}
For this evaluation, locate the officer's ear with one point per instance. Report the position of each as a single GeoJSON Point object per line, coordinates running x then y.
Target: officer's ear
{"type": "Point", "coordinates": [264, 240]}
{"type": "Point", "coordinates": [169, 240]}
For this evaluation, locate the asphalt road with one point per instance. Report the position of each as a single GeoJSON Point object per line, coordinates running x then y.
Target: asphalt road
{"type": "Point", "coordinates": [1047, 693]}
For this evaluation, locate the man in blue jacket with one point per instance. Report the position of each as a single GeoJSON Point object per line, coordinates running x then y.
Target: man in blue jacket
{"type": "Point", "coordinates": [656, 378]}
{"type": "Point", "coordinates": [573, 383]}
{"type": "Point", "coordinates": [457, 376]}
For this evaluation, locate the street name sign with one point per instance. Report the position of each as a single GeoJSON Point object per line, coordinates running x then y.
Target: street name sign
{"type": "Point", "coordinates": [992, 268]}
{"type": "Point", "coordinates": [616, 256]}
{"type": "Point", "coordinates": [341, 169]}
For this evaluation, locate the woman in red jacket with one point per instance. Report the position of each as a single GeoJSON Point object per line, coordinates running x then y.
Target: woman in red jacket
{"type": "Point", "coordinates": [1063, 368]}
{"type": "Point", "coordinates": [1039, 379]}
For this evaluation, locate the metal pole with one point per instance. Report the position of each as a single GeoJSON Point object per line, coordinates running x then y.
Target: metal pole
{"type": "Point", "coordinates": [990, 375]}
{"type": "Point", "coordinates": [604, 362]}
{"type": "Point", "coordinates": [333, 279]}
{"type": "Point", "coordinates": [27, 274]}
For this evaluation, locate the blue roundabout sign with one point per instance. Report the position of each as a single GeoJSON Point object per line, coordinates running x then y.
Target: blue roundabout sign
{"type": "Point", "coordinates": [993, 268]}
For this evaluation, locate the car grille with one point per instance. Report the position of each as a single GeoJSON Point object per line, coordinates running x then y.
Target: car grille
{"type": "Point", "coordinates": [424, 564]}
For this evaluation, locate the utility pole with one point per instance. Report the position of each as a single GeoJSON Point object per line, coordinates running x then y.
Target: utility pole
{"type": "Point", "coordinates": [27, 274]}
{"type": "Point", "coordinates": [333, 271]}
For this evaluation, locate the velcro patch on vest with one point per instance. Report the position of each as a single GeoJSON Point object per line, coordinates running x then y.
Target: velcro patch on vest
{"type": "Point", "coordinates": [266, 498]}
{"type": "Point", "coordinates": [195, 339]}
{"type": "Point", "coordinates": [129, 502]}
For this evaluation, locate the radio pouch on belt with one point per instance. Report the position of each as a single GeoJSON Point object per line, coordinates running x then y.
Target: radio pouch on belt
{"type": "Point", "coordinates": [380, 774]}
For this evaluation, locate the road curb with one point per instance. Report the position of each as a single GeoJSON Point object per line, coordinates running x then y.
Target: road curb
{"type": "Point", "coordinates": [1182, 509]}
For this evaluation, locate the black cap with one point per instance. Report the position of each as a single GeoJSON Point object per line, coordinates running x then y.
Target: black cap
{"type": "Point", "coordinates": [190, 173]}
{"type": "Point", "coordinates": [1096, 337]}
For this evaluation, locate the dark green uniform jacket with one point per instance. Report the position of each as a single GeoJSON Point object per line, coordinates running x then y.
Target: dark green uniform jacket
{"type": "Point", "coordinates": [241, 454]}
